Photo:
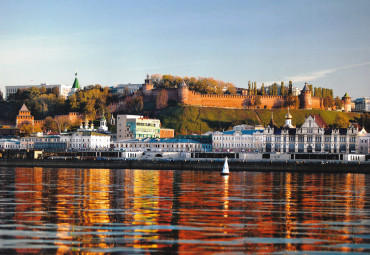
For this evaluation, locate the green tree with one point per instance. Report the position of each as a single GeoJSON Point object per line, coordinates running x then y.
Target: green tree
{"type": "Point", "coordinates": [282, 89]}
{"type": "Point", "coordinates": [340, 122]}
{"type": "Point", "coordinates": [263, 89]}
{"type": "Point", "coordinates": [338, 103]}
{"type": "Point", "coordinates": [290, 92]}
{"type": "Point", "coordinates": [49, 125]}
{"type": "Point", "coordinates": [26, 129]}
{"type": "Point", "coordinates": [257, 101]}
{"type": "Point", "coordinates": [328, 102]}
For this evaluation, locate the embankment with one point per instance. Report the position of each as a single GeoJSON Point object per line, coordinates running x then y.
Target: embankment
{"type": "Point", "coordinates": [199, 165]}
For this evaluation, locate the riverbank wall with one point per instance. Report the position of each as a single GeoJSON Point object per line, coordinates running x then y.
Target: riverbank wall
{"type": "Point", "coordinates": [199, 165]}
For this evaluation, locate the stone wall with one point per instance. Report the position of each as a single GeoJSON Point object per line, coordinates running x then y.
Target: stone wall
{"type": "Point", "coordinates": [190, 97]}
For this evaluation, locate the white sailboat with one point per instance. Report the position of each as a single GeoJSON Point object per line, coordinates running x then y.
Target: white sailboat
{"type": "Point", "coordinates": [225, 170]}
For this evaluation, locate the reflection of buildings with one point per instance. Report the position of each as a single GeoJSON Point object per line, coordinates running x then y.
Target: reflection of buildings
{"type": "Point", "coordinates": [174, 212]}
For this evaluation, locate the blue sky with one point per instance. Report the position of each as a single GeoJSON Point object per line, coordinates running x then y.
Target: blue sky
{"type": "Point", "coordinates": [326, 43]}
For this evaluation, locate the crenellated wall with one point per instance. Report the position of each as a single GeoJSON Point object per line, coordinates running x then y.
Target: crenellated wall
{"type": "Point", "coordinates": [317, 103]}
{"type": "Point", "coordinates": [190, 97]}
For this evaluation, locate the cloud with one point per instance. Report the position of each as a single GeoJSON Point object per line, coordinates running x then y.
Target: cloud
{"type": "Point", "coordinates": [306, 77]}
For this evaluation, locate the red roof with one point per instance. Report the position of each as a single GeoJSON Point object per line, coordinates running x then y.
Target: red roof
{"type": "Point", "coordinates": [319, 121]}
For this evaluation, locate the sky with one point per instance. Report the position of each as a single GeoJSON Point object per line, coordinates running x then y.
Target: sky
{"type": "Point", "coordinates": [325, 43]}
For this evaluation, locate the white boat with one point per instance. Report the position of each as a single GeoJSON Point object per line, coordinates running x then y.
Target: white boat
{"type": "Point", "coordinates": [225, 170]}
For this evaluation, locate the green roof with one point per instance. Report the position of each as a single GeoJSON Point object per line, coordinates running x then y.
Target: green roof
{"type": "Point", "coordinates": [346, 95]}
{"type": "Point", "coordinates": [76, 84]}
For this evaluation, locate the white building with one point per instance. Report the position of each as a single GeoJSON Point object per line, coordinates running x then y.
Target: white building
{"type": "Point", "coordinates": [64, 90]}
{"type": "Point", "coordinates": [312, 136]}
{"type": "Point", "coordinates": [364, 142]}
{"type": "Point", "coordinates": [136, 126]}
{"type": "Point", "coordinates": [233, 140]}
{"type": "Point", "coordinates": [362, 104]}
{"type": "Point", "coordinates": [86, 140]}
{"type": "Point", "coordinates": [126, 89]}
{"type": "Point", "coordinates": [158, 144]}
{"type": "Point", "coordinates": [10, 144]}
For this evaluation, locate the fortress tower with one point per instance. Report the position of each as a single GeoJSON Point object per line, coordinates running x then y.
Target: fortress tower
{"type": "Point", "coordinates": [306, 98]}
{"type": "Point", "coordinates": [147, 86]}
{"type": "Point", "coordinates": [346, 102]}
{"type": "Point", "coordinates": [183, 93]}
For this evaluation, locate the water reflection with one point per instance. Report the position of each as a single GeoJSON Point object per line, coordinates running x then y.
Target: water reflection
{"type": "Point", "coordinates": [135, 211]}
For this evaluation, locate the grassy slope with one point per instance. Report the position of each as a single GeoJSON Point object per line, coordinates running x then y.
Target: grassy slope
{"type": "Point", "coordinates": [192, 119]}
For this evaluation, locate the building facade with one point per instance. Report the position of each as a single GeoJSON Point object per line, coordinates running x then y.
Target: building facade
{"type": "Point", "coordinates": [159, 145]}
{"type": "Point", "coordinates": [10, 144]}
{"type": "Point", "coordinates": [364, 142]}
{"type": "Point", "coordinates": [238, 141]}
{"type": "Point", "coordinates": [166, 133]}
{"type": "Point", "coordinates": [125, 89]}
{"type": "Point", "coordinates": [362, 104]}
{"type": "Point", "coordinates": [312, 136]}
{"type": "Point", "coordinates": [136, 126]}
{"type": "Point", "coordinates": [64, 90]}
{"type": "Point", "coordinates": [87, 140]}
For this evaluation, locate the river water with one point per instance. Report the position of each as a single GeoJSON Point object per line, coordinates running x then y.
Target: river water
{"type": "Point", "coordinates": [140, 211]}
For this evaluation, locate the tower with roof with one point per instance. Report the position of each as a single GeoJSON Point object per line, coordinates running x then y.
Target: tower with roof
{"type": "Point", "coordinates": [75, 86]}
{"type": "Point", "coordinates": [306, 98]}
{"type": "Point", "coordinates": [288, 120]}
{"type": "Point", "coordinates": [147, 86]}
{"type": "Point", "coordinates": [183, 93]}
{"type": "Point", "coordinates": [346, 102]}
{"type": "Point", "coordinates": [24, 117]}
{"type": "Point", "coordinates": [103, 124]}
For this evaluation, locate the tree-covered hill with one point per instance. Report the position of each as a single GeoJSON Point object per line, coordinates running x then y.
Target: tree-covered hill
{"type": "Point", "coordinates": [191, 119]}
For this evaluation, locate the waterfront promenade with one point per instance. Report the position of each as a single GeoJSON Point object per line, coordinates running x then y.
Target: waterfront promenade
{"type": "Point", "coordinates": [198, 164]}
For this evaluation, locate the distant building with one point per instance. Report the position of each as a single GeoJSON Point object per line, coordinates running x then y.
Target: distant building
{"type": "Point", "coordinates": [364, 142]}
{"type": "Point", "coordinates": [136, 126]}
{"type": "Point", "coordinates": [64, 90]}
{"type": "Point", "coordinates": [42, 142]}
{"type": "Point", "coordinates": [87, 140]}
{"type": "Point", "coordinates": [296, 91]}
{"type": "Point", "coordinates": [166, 133]}
{"type": "Point", "coordinates": [125, 89]}
{"type": "Point", "coordinates": [362, 104]}
{"type": "Point", "coordinates": [205, 140]}
{"type": "Point", "coordinates": [160, 145]}
{"type": "Point", "coordinates": [10, 144]}
{"type": "Point", "coordinates": [238, 141]}
{"type": "Point", "coordinates": [313, 136]}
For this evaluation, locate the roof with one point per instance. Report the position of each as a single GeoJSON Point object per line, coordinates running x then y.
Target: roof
{"type": "Point", "coordinates": [306, 88]}
{"type": "Point", "coordinates": [342, 131]}
{"type": "Point", "coordinates": [319, 121]}
{"type": "Point", "coordinates": [277, 131]}
{"type": "Point", "coordinates": [76, 84]}
{"type": "Point", "coordinates": [183, 84]}
{"type": "Point", "coordinates": [91, 133]}
{"type": "Point", "coordinates": [24, 108]}
{"type": "Point", "coordinates": [346, 95]}
{"type": "Point", "coordinates": [288, 115]}
{"type": "Point", "coordinates": [160, 140]}
{"type": "Point", "coordinates": [292, 131]}
{"type": "Point", "coordinates": [244, 132]}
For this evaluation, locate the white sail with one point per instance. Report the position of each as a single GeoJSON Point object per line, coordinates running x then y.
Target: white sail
{"type": "Point", "coordinates": [225, 170]}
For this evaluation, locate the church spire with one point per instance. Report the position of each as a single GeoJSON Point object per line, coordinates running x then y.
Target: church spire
{"type": "Point", "coordinates": [76, 84]}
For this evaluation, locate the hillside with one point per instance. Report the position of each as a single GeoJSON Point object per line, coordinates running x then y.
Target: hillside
{"type": "Point", "coordinates": [191, 119]}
